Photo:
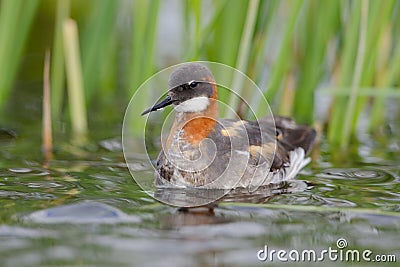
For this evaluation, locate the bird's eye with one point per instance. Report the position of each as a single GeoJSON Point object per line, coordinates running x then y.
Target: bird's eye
{"type": "Point", "coordinates": [193, 84]}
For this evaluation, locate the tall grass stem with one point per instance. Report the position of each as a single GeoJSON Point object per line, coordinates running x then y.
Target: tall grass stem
{"type": "Point", "coordinates": [75, 81]}
{"type": "Point", "coordinates": [285, 52]}
{"type": "Point", "coordinates": [16, 18]}
{"type": "Point", "coordinates": [46, 116]}
{"type": "Point", "coordinates": [243, 57]}
{"type": "Point", "coordinates": [57, 60]}
{"type": "Point", "coordinates": [357, 74]}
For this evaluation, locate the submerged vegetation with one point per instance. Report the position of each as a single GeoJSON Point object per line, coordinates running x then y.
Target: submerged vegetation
{"type": "Point", "coordinates": [305, 55]}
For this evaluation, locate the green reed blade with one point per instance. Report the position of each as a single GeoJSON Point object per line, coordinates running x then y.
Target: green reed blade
{"type": "Point", "coordinates": [16, 18]}
{"type": "Point", "coordinates": [195, 50]}
{"type": "Point", "coordinates": [76, 94]}
{"type": "Point", "coordinates": [144, 30]}
{"type": "Point", "coordinates": [359, 65]}
{"type": "Point", "coordinates": [96, 35]}
{"type": "Point", "coordinates": [192, 32]}
{"type": "Point", "coordinates": [374, 92]}
{"type": "Point", "coordinates": [285, 53]}
{"type": "Point", "coordinates": [388, 78]}
{"type": "Point", "coordinates": [150, 39]}
{"type": "Point", "coordinates": [243, 58]}
{"type": "Point", "coordinates": [224, 45]}
{"type": "Point", "coordinates": [108, 70]}
{"type": "Point", "coordinates": [227, 32]}
{"type": "Point", "coordinates": [347, 59]}
{"type": "Point", "coordinates": [322, 23]}
{"type": "Point", "coordinates": [143, 54]}
{"type": "Point", "coordinates": [57, 59]}
{"type": "Point", "coordinates": [377, 22]}
{"type": "Point", "coordinates": [267, 13]}
{"type": "Point", "coordinates": [394, 64]}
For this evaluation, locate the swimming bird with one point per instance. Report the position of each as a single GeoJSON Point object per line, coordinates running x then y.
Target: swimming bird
{"type": "Point", "coordinates": [205, 151]}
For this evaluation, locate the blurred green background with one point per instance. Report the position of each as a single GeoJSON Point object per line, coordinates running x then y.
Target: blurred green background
{"type": "Point", "coordinates": [335, 64]}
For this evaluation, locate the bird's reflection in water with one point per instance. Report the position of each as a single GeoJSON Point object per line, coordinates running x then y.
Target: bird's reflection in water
{"type": "Point", "coordinates": [264, 194]}
{"type": "Point", "coordinates": [206, 214]}
{"type": "Point", "coordinates": [192, 217]}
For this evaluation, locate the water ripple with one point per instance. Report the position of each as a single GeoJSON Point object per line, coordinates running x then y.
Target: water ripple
{"type": "Point", "coordinates": [368, 176]}
{"type": "Point", "coordinates": [83, 213]}
{"type": "Point", "coordinates": [31, 171]}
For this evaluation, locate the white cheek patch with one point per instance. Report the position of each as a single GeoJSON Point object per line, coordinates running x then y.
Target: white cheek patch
{"type": "Point", "coordinates": [196, 104]}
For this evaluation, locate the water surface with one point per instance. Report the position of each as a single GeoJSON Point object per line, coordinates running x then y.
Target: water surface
{"type": "Point", "coordinates": [85, 210]}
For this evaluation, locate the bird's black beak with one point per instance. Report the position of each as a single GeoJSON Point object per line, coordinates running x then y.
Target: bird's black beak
{"type": "Point", "coordinates": [166, 102]}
